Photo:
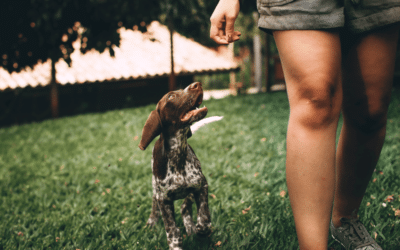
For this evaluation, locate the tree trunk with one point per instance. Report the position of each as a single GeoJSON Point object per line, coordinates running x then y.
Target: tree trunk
{"type": "Point", "coordinates": [232, 74]}
{"type": "Point", "coordinates": [53, 90]}
{"type": "Point", "coordinates": [172, 78]}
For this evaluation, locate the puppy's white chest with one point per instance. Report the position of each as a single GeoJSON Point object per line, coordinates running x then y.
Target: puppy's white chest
{"type": "Point", "coordinates": [179, 182]}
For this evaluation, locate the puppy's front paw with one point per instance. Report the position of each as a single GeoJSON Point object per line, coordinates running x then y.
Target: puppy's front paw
{"type": "Point", "coordinates": [190, 229]}
{"type": "Point", "coordinates": [203, 231]}
{"type": "Point", "coordinates": [174, 239]}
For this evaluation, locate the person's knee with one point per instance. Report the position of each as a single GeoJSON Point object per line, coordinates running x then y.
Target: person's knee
{"type": "Point", "coordinates": [317, 106]}
{"type": "Point", "coordinates": [366, 116]}
{"type": "Point", "coordinates": [366, 102]}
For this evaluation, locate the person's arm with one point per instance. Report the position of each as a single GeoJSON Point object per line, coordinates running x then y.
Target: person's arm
{"type": "Point", "coordinates": [223, 22]}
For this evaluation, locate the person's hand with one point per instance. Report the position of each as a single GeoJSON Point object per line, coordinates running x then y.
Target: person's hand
{"type": "Point", "coordinates": [223, 22]}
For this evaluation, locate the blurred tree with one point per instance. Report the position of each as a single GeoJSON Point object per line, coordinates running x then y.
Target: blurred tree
{"type": "Point", "coordinates": [38, 30]}
{"type": "Point", "coordinates": [191, 18]}
{"type": "Point", "coordinates": [42, 29]}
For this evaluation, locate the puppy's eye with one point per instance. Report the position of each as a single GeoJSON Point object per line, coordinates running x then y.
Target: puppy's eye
{"type": "Point", "coordinates": [171, 97]}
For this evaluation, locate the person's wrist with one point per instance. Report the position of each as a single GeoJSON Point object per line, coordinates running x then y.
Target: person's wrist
{"type": "Point", "coordinates": [230, 2]}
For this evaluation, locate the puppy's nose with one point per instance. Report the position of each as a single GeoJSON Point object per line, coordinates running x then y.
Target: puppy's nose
{"type": "Point", "coordinates": [195, 86]}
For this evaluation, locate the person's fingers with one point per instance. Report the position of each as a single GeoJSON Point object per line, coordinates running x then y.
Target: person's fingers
{"type": "Point", "coordinates": [221, 32]}
{"type": "Point", "coordinates": [236, 36]}
{"type": "Point", "coordinates": [230, 28]}
{"type": "Point", "coordinates": [213, 31]}
{"type": "Point", "coordinates": [217, 35]}
{"type": "Point", "coordinates": [233, 36]}
{"type": "Point", "coordinates": [220, 37]}
{"type": "Point", "coordinates": [237, 33]}
{"type": "Point", "coordinates": [217, 30]}
{"type": "Point", "coordinates": [223, 21]}
{"type": "Point", "coordinates": [220, 40]}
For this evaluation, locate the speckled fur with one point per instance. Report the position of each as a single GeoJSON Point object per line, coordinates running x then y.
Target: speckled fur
{"type": "Point", "coordinates": [177, 174]}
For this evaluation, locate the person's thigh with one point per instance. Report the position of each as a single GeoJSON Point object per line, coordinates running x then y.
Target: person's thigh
{"type": "Point", "coordinates": [311, 62]}
{"type": "Point", "coordinates": [368, 70]}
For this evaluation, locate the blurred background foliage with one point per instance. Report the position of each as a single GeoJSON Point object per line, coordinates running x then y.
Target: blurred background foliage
{"type": "Point", "coordinates": [37, 30]}
{"type": "Point", "coordinates": [246, 23]}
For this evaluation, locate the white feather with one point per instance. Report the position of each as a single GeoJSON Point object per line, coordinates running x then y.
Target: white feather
{"type": "Point", "coordinates": [205, 121]}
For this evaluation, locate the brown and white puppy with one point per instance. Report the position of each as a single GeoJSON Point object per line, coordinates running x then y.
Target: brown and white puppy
{"type": "Point", "coordinates": [176, 170]}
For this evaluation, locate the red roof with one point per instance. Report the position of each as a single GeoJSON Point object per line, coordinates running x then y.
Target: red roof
{"type": "Point", "coordinates": [140, 56]}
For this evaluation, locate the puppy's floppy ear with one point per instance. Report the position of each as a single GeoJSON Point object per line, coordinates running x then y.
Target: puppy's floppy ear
{"type": "Point", "coordinates": [151, 129]}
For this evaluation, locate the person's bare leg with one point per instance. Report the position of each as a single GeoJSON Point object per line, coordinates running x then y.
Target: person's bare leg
{"type": "Point", "coordinates": [368, 75]}
{"type": "Point", "coordinates": [311, 63]}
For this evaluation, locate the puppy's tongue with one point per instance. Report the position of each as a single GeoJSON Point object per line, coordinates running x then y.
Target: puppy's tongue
{"type": "Point", "coordinates": [191, 113]}
{"type": "Point", "coordinates": [187, 116]}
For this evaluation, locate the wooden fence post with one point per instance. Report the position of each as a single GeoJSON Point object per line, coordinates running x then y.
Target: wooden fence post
{"type": "Point", "coordinates": [53, 90]}
{"type": "Point", "coordinates": [232, 74]}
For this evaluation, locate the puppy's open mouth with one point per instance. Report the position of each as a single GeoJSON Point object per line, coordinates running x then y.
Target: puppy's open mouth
{"type": "Point", "coordinates": [195, 113]}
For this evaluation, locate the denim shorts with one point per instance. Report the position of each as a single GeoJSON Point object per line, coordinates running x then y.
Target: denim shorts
{"type": "Point", "coordinates": [357, 16]}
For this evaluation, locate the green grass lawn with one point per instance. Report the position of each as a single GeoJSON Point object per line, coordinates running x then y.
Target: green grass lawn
{"type": "Point", "coordinates": [82, 182]}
